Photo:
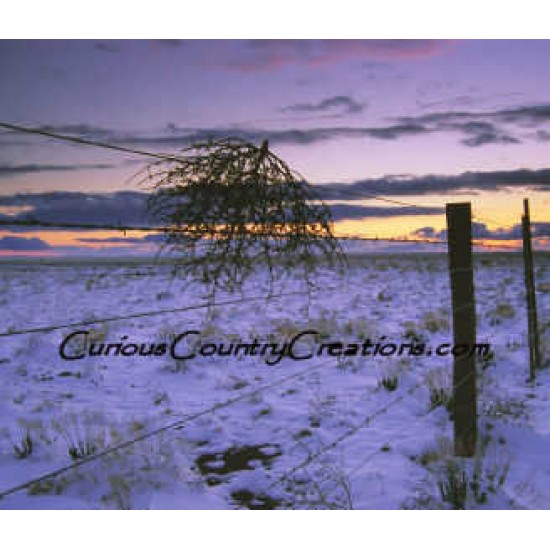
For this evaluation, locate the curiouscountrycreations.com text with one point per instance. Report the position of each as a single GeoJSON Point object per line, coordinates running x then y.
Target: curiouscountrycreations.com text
{"type": "Point", "coordinates": [301, 347]}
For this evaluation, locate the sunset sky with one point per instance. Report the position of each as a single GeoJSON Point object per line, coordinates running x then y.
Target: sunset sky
{"type": "Point", "coordinates": [420, 121]}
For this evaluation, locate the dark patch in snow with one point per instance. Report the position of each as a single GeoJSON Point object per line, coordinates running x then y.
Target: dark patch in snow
{"type": "Point", "coordinates": [235, 459]}
{"type": "Point", "coordinates": [252, 501]}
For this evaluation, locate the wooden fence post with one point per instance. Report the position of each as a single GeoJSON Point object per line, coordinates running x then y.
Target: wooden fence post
{"type": "Point", "coordinates": [532, 323]}
{"type": "Point", "coordinates": [459, 238]}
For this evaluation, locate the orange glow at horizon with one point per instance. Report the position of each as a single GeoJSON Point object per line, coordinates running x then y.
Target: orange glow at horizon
{"type": "Point", "coordinates": [73, 238]}
{"type": "Point", "coordinates": [496, 210]}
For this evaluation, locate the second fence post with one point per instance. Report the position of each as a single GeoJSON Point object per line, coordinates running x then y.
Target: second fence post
{"type": "Point", "coordinates": [459, 238]}
{"type": "Point", "coordinates": [532, 323]}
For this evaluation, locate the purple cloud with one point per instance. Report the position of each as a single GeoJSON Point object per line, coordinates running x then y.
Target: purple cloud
{"type": "Point", "coordinates": [264, 55]}
{"type": "Point", "coordinates": [22, 243]}
{"type": "Point", "coordinates": [480, 231]}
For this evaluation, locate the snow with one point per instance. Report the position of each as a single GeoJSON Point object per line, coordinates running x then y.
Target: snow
{"type": "Point", "coordinates": [238, 455]}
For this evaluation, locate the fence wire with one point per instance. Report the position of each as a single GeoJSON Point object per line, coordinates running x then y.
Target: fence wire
{"type": "Point", "coordinates": [186, 419]}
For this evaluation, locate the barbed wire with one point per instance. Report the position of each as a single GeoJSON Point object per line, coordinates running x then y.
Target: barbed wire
{"type": "Point", "coordinates": [154, 229]}
{"type": "Point", "coordinates": [180, 423]}
{"type": "Point", "coordinates": [83, 141]}
{"type": "Point", "coordinates": [144, 314]}
{"type": "Point", "coordinates": [355, 429]}
{"type": "Point", "coordinates": [371, 455]}
{"type": "Point", "coordinates": [166, 229]}
{"type": "Point", "coordinates": [221, 405]}
{"type": "Point", "coordinates": [44, 132]}
{"type": "Point", "coordinates": [243, 299]}
{"type": "Point", "coordinates": [193, 416]}
{"type": "Point", "coordinates": [342, 437]}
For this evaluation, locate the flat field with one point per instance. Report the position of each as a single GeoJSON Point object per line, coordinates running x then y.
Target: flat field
{"type": "Point", "coordinates": [265, 430]}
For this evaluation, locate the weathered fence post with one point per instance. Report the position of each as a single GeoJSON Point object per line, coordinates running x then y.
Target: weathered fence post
{"type": "Point", "coordinates": [459, 238]}
{"type": "Point", "coordinates": [532, 323]}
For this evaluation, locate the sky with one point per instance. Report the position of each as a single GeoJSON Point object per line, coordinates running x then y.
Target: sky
{"type": "Point", "coordinates": [424, 122]}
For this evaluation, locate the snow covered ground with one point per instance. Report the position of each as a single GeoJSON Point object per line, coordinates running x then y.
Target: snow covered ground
{"type": "Point", "coordinates": [327, 432]}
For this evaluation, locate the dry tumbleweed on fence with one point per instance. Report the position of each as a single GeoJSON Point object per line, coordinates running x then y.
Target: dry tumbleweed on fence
{"type": "Point", "coordinates": [229, 206]}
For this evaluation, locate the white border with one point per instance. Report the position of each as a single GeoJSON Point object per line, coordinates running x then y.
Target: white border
{"type": "Point", "coordinates": [103, 19]}
{"type": "Point", "coordinates": [272, 530]}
